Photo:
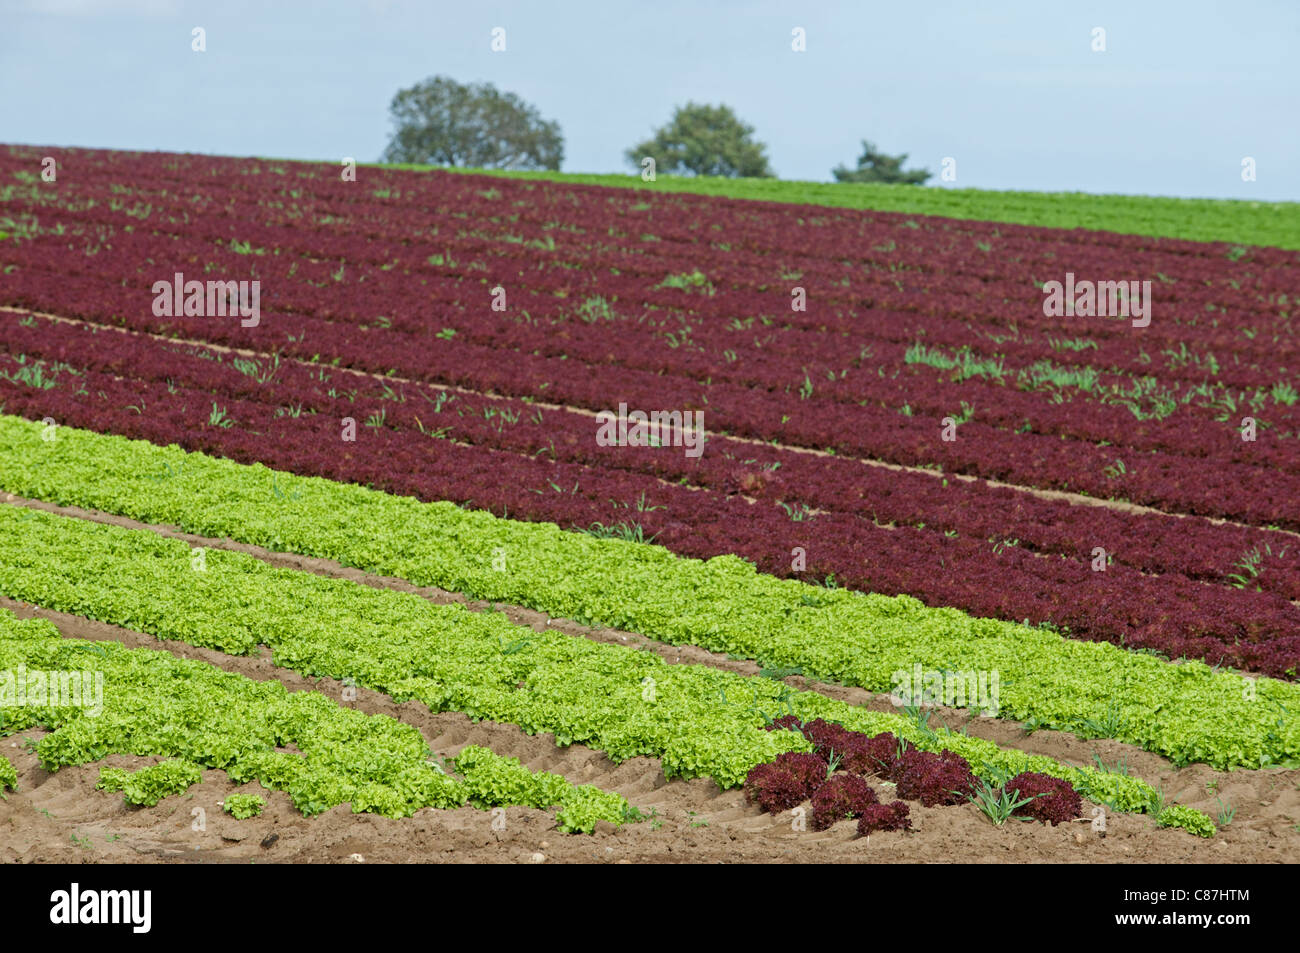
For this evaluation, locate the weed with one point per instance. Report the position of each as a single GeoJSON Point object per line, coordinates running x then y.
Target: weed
{"type": "Point", "coordinates": [996, 803]}
{"type": "Point", "coordinates": [218, 417]}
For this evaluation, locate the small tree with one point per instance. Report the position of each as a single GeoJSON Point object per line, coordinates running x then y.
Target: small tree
{"type": "Point", "coordinates": [875, 166]}
{"type": "Point", "coordinates": [443, 122]}
{"type": "Point", "coordinates": [704, 140]}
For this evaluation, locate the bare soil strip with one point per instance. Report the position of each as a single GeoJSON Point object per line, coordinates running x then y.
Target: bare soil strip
{"type": "Point", "coordinates": [1267, 802]}
{"type": "Point", "coordinates": [1060, 495]}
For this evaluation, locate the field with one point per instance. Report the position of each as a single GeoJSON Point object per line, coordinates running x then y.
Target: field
{"type": "Point", "coordinates": [1214, 220]}
{"type": "Point", "coordinates": [425, 516]}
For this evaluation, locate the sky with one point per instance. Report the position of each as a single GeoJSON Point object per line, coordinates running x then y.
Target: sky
{"type": "Point", "coordinates": [1013, 91]}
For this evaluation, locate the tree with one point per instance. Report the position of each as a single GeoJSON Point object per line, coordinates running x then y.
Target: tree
{"type": "Point", "coordinates": [874, 166]}
{"type": "Point", "coordinates": [443, 122]}
{"type": "Point", "coordinates": [704, 140]}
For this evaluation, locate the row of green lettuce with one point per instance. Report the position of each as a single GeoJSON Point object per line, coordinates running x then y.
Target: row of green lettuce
{"type": "Point", "coordinates": [1186, 712]}
{"type": "Point", "coordinates": [626, 702]}
{"type": "Point", "coordinates": [150, 703]}
{"type": "Point", "coordinates": [487, 780]}
{"type": "Point", "coordinates": [1240, 221]}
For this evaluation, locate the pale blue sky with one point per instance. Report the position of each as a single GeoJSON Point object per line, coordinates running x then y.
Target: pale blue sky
{"type": "Point", "coordinates": [1012, 90]}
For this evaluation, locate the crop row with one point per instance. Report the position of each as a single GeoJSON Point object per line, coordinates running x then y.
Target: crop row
{"type": "Point", "coordinates": [833, 775]}
{"type": "Point", "coordinates": [1252, 630]}
{"type": "Point", "coordinates": [810, 372]}
{"type": "Point", "coordinates": [1149, 542]}
{"type": "Point", "coordinates": [1183, 484]}
{"type": "Point", "coordinates": [333, 293]}
{"type": "Point", "coordinates": [101, 698]}
{"type": "Point", "coordinates": [1202, 220]}
{"type": "Point", "coordinates": [388, 195]}
{"type": "Point", "coordinates": [549, 289]}
{"type": "Point", "coordinates": [212, 187]}
{"type": "Point", "coordinates": [582, 214]}
{"type": "Point", "coordinates": [698, 720]}
{"type": "Point", "coordinates": [1186, 712]}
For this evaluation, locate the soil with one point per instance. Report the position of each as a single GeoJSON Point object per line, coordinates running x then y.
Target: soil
{"type": "Point", "coordinates": [59, 817]}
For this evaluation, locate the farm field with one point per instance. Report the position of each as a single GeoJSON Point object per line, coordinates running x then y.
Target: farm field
{"type": "Point", "coordinates": [1208, 220]}
{"type": "Point", "coordinates": [354, 491]}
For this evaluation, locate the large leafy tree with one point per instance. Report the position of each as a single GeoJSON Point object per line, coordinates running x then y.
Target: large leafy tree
{"type": "Point", "coordinates": [443, 122]}
{"type": "Point", "coordinates": [704, 140]}
{"type": "Point", "coordinates": [875, 166]}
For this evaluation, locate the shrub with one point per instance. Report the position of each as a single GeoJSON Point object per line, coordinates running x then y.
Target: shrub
{"type": "Point", "coordinates": [875, 755]}
{"type": "Point", "coordinates": [8, 775]}
{"type": "Point", "coordinates": [785, 723]}
{"type": "Point", "coordinates": [884, 817]}
{"type": "Point", "coordinates": [242, 806]}
{"type": "Point", "coordinates": [857, 751]}
{"type": "Point", "coordinates": [1188, 818]}
{"type": "Point", "coordinates": [789, 780]}
{"type": "Point", "coordinates": [1053, 800]}
{"type": "Point", "coordinates": [112, 779]}
{"type": "Point", "coordinates": [828, 737]}
{"type": "Point", "coordinates": [934, 779]}
{"type": "Point", "coordinates": [583, 805]}
{"type": "Point", "coordinates": [772, 789]}
{"type": "Point", "coordinates": [845, 795]}
{"type": "Point", "coordinates": [150, 785]}
{"type": "Point", "coordinates": [809, 770]}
